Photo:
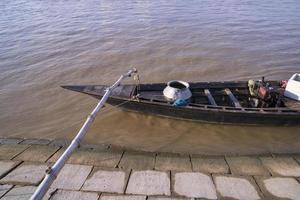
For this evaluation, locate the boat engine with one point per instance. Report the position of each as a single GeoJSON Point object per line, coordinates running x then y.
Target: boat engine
{"type": "Point", "coordinates": [176, 90]}
{"type": "Point", "coordinates": [263, 94]}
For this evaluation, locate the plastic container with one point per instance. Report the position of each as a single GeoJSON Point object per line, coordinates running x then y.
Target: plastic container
{"type": "Point", "coordinates": [292, 89]}
{"type": "Point", "coordinates": [177, 90]}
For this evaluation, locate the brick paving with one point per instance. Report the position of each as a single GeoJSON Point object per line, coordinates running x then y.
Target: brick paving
{"type": "Point", "coordinates": [8, 151]}
{"type": "Point", "coordinates": [4, 189]}
{"type": "Point", "coordinates": [282, 166]}
{"type": "Point", "coordinates": [209, 164]}
{"type": "Point", "coordinates": [41, 152]}
{"type": "Point", "coordinates": [236, 187]}
{"type": "Point", "coordinates": [194, 184]}
{"type": "Point", "coordinates": [167, 161]}
{"type": "Point", "coordinates": [122, 197]}
{"type": "Point", "coordinates": [112, 181]}
{"type": "Point", "coordinates": [279, 187]}
{"type": "Point", "coordinates": [243, 165]}
{"type": "Point", "coordinates": [19, 193]}
{"type": "Point", "coordinates": [102, 158]}
{"type": "Point", "coordinates": [75, 195]}
{"type": "Point", "coordinates": [106, 174]}
{"type": "Point", "coordinates": [137, 160]}
{"type": "Point", "coordinates": [10, 140]}
{"type": "Point", "coordinates": [72, 177]}
{"type": "Point", "coordinates": [25, 174]}
{"type": "Point", "coordinates": [149, 183]}
{"type": "Point", "coordinates": [6, 166]}
{"type": "Point", "coordinates": [35, 141]}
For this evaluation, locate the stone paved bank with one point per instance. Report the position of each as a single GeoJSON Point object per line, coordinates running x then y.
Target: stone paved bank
{"type": "Point", "coordinates": [100, 172]}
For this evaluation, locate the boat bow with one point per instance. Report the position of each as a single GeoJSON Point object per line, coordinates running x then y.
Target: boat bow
{"type": "Point", "coordinates": [122, 91]}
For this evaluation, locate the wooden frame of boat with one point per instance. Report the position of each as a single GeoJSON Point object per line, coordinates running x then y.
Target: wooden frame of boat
{"type": "Point", "coordinates": [216, 102]}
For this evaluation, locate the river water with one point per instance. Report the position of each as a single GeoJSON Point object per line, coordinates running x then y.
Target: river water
{"type": "Point", "coordinates": [44, 44]}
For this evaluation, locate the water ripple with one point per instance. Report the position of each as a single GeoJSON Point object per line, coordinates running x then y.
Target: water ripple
{"type": "Point", "coordinates": [47, 43]}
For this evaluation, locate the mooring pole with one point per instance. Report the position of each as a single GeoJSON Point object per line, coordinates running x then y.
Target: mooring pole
{"type": "Point", "coordinates": [52, 172]}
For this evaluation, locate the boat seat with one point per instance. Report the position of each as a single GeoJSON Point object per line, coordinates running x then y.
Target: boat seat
{"type": "Point", "coordinates": [210, 97]}
{"type": "Point", "coordinates": [233, 100]}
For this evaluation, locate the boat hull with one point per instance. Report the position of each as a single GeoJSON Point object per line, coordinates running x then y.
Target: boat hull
{"type": "Point", "coordinates": [148, 98]}
{"type": "Point", "coordinates": [206, 115]}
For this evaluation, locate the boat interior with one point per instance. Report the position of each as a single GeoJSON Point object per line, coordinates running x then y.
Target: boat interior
{"type": "Point", "coordinates": [220, 95]}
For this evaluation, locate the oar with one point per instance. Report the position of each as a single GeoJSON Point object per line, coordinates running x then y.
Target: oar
{"type": "Point", "coordinates": [52, 172]}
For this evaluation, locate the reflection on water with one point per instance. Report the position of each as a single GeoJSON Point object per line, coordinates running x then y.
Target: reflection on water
{"type": "Point", "coordinates": [46, 44]}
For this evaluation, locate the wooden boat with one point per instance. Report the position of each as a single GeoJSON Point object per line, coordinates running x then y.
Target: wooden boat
{"type": "Point", "coordinates": [217, 102]}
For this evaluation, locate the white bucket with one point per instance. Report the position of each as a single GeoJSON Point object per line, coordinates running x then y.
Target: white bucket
{"type": "Point", "coordinates": [177, 90]}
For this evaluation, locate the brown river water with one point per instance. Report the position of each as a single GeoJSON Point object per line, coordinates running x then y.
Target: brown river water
{"type": "Point", "coordinates": [44, 44]}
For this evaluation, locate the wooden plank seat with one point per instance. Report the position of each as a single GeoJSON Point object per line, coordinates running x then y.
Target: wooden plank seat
{"type": "Point", "coordinates": [210, 97]}
{"type": "Point", "coordinates": [233, 100]}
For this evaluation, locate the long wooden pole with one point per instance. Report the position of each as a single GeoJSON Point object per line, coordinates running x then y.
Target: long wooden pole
{"type": "Point", "coordinates": [52, 172]}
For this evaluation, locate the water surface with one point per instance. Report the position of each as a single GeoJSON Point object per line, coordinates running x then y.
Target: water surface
{"type": "Point", "coordinates": [44, 44]}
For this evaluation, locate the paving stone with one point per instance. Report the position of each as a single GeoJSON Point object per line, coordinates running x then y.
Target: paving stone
{"type": "Point", "coordinates": [4, 189]}
{"type": "Point", "coordinates": [169, 198]}
{"type": "Point", "coordinates": [56, 156]}
{"type": "Point", "coordinates": [279, 187]}
{"type": "Point", "coordinates": [176, 162]}
{"type": "Point", "coordinates": [36, 141]}
{"type": "Point", "coordinates": [236, 187]}
{"type": "Point", "coordinates": [72, 177]}
{"type": "Point", "coordinates": [149, 183]}
{"type": "Point", "coordinates": [209, 164]}
{"type": "Point", "coordinates": [19, 193]}
{"type": "Point", "coordinates": [121, 197]}
{"type": "Point", "coordinates": [9, 151]}
{"type": "Point", "coordinates": [37, 153]}
{"type": "Point", "coordinates": [74, 195]}
{"type": "Point", "coordinates": [243, 165]}
{"type": "Point", "coordinates": [25, 174]}
{"type": "Point", "coordinates": [49, 193]}
{"type": "Point", "coordinates": [97, 158]}
{"type": "Point", "coordinates": [10, 140]}
{"type": "Point", "coordinates": [60, 142]}
{"type": "Point", "coordinates": [7, 166]}
{"type": "Point", "coordinates": [23, 192]}
{"type": "Point", "coordinates": [91, 157]}
{"type": "Point", "coordinates": [137, 161]}
{"type": "Point", "coordinates": [106, 181]}
{"type": "Point", "coordinates": [284, 166]}
{"type": "Point", "coordinates": [194, 184]}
